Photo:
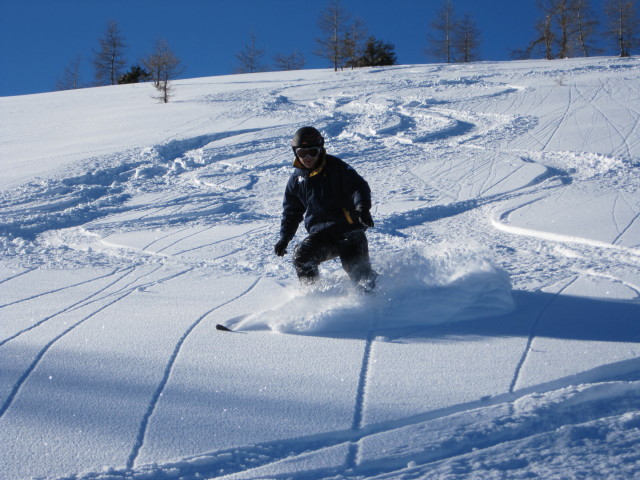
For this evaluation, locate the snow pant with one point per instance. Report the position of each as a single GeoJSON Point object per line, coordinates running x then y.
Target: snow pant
{"type": "Point", "coordinates": [351, 247]}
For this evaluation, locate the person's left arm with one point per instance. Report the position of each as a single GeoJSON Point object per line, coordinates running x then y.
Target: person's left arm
{"type": "Point", "coordinates": [359, 191]}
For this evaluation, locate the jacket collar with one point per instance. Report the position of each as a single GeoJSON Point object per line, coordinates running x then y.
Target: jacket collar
{"type": "Point", "coordinates": [323, 161]}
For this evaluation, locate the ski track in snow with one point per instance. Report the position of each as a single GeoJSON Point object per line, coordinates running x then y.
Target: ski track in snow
{"type": "Point", "coordinates": [165, 378]}
{"type": "Point", "coordinates": [117, 296]}
{"type": "Point", "coordinates": [354, 447]}
{"type": "Point", "coordinates": [73, 306]}
{"type": "Point", "coordinates": [39, 295]}
{"type": "Point", "coordinates": [16, 388]}
{"type": "Point", "coordinates": [473, 158]}
{"type": "Point", "coordinates": [532, 335]}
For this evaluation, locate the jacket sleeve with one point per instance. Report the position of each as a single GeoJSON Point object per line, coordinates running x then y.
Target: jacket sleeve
{"type": "Point", "coordinates": [356, 188]}
{"type": "Point", "coordinates": [292, 212]}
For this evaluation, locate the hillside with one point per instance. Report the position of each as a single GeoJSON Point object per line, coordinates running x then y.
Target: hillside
{"type": "Point", "coordinates": [503, 340]}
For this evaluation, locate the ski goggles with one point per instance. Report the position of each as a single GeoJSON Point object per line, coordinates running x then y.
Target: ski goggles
{"type": "Point", "coordinates": [308, 152]}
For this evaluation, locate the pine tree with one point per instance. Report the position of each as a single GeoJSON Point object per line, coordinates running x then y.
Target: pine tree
{"type": "Point", "coordinates": [136, 74]}
{"type": "Point", "coordinates": [377, 53]}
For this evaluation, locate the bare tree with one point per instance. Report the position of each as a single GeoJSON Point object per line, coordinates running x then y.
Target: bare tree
{"type": "Point", "coordinates": [586, 28]}
{"type": "Point", "coordinates": [250, 58]}
{"type": "Point", "coordinates": [444, 26]}
{"type": "Point", "coordinates": [546, 32]}
{"type": "Point", "coordinates": [548, 36]}
{"type": "Point", "coordinates": [164, 66]}
{"type": "Point", "coordinates": [543, 42]}
{"type": "Point", "coordinates": [624, 25]}
{"type": "Point", "coordinates": [566, 30]}
{"type": "Point", "coordinates": [353, 43]}
{"type": "Point", "coordinates": [153, 62]}
{"type": "Point", "coordinates": [564, 13]}
{"type": "Point", "coordinates": [70, 79]}
{"type": "Point", "coordinates": [333, 25]}
{"type": "Point", "coordinates": [467, 39]}
{"type": "Point", "coordinates": [556, 28]}
{"type": "Point", "coordinates": [293, 61]}
{"type": "Point", "coordinates": [109, 58]}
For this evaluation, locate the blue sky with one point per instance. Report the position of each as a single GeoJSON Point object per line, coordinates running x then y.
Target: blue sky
{"type": "Point", "coordinates": [39, 38]}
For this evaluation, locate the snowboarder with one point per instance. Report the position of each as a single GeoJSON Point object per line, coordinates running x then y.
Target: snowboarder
{"type": "Point", "coordinates": [334, 202]}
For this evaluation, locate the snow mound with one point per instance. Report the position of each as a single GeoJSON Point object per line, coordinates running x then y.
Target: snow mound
{"type": "Point", "coordinates": [424, 285]}
{"type": "Point", "coordinates": [418, 287]}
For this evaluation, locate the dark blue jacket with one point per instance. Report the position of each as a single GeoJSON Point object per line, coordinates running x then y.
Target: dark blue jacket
{"type": "Point", "coordinates": [326, 198]}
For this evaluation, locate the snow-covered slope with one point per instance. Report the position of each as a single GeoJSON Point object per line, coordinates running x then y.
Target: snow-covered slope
{"type": "Point", "coordinates": [503, 340]}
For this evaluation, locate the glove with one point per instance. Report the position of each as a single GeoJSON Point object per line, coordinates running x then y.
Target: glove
{"type": "Point", "coordinates": [364, 216]}
{"type": "Point", "coordinates": [281, 247]}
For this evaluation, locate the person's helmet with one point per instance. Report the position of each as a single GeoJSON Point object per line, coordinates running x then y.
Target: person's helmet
{"type": "Point", "coordinates": [307, 137]}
